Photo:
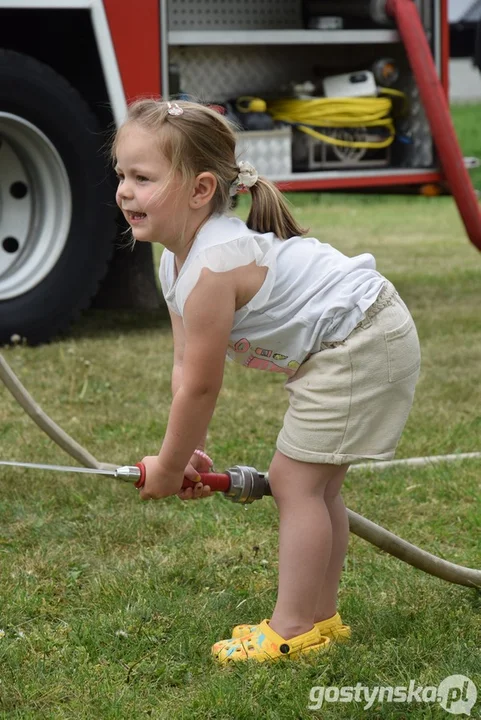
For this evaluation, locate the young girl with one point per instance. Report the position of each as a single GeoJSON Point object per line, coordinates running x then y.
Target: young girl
{"type": "Point", "coordinates": [275, 301]}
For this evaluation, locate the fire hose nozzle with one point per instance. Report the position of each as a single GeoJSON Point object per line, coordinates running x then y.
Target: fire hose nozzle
{"type": "Point", "coordinates": [129, 473]}
{"type": "Point", "coordinates": [240, 484]}
{"type": "Point", "coordinates": [246, 485]}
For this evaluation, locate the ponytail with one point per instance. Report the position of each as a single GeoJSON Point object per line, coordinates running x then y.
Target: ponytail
{"type": "Point", "coordinates": [270, 213]}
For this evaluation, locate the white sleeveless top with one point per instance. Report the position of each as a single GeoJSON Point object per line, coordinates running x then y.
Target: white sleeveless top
{"type": "Point", "coordinates": [312, 293]}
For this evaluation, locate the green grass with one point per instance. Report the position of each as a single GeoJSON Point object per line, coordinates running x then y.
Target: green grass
{"type": "Point", "coordinates": [109, 606]}
{"type": "Point", "coordinates": [466, 122]}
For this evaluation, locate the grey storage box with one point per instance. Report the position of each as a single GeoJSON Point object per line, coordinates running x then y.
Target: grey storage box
{"type": "Point", "coordinates": [268, 150]}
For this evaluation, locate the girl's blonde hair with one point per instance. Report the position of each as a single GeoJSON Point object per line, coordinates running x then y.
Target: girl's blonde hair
{"type": "Point", "coordinates": [202, 140]}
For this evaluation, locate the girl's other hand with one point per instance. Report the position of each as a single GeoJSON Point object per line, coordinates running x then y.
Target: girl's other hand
{"type": "Point", "coordinates": [198, 464]}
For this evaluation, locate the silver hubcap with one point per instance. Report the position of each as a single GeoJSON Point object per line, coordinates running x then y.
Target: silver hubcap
{"type": "Point", "coordinates": [35, 206]}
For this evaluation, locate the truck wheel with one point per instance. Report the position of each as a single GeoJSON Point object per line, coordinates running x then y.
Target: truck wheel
{"type": "Point", "coordinates": [57, 207]}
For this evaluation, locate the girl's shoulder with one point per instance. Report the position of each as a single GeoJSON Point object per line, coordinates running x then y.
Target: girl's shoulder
{"type": "Point", "coordinates": [220, 229]}
{"type": "Point", "coordinates": [223, 244]}
{"type": "Point", "coordinates": [220, 244]}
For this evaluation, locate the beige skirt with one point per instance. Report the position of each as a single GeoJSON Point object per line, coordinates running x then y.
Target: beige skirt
{"type": "Point", "coordinates": [351, 400]}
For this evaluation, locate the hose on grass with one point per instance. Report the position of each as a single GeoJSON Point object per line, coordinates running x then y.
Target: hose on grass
{"type": "Point", "coordinates": [360, 526]}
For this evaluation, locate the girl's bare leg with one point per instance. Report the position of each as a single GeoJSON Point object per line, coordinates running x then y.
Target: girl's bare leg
{"type": "Point", "coordinates": [327, 602]}
{"type": "Point", "coordinates": [305, 541]}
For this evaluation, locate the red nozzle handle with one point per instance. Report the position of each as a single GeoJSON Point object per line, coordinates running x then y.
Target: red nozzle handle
{"type": "Point", "coordinates": [216, 481]}
{"type": "Point", "coordinates": [141, 481]}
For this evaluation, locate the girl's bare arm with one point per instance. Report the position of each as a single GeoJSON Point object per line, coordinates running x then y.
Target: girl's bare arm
{"type": "Point", "coordinates": [207, 324]}
{"type": "Point", "coordinates": [179, 345]}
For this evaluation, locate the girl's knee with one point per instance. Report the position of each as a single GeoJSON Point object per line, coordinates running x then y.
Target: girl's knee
{"type": "Point", "coordinates": [333, 488]}
{"type": "Point", "coordinates": [332, 498]}
{"type": "Point", "coordinates": [291, 478]}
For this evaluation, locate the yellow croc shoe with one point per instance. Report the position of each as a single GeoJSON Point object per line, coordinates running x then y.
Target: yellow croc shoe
{"type": "Point", "coordinates": [334, 629]}
{"type": "Point", "coordinates": [331, 628]}
{"type": "Point", "coordinates": [263, 645]}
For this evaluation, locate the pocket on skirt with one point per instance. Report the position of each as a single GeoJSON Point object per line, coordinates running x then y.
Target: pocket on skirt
{"type": "Point", "coordinates": [404, 357]}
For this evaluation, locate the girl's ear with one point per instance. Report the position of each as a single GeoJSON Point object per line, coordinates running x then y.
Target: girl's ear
{"type": "Point", "coordinates": [203, 191]}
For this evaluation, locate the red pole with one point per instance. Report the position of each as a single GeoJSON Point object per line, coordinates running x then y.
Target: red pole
{"type": "Point", "coordinates": [445, 46]}
{"type": "Point", "coordinates": [436, 107]}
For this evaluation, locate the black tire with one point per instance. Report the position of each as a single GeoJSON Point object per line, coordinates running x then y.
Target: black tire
{"type": "Point", "coordinates": [43, 103]}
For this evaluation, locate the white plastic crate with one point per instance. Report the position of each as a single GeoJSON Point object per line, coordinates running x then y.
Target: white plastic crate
{"type": "Point", "coordinates": [268, 150]}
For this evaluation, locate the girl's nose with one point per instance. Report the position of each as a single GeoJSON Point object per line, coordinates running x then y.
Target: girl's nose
{"type": "Point", "coordinates": [124, 190]}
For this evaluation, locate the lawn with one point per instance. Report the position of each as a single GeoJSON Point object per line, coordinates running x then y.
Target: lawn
{"type": "Point", "coordinates": [108, 606]}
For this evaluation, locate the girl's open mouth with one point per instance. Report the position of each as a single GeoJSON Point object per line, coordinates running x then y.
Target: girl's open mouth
{"type": "Point", "coordinates": [135, 217]}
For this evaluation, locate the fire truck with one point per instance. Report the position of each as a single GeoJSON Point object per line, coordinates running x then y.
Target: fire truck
{"type": "Point", "coordinates": [68, 69]}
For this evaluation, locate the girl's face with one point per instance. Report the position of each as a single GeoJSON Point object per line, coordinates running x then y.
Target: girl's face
{"type": "Point", "coordinates": [156, 212]}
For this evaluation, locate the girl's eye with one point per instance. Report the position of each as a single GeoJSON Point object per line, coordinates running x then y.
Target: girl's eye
{"type": "Point", "coordinates": [120, 177]}
{"type": "Point", "coordinates": [142, 178]}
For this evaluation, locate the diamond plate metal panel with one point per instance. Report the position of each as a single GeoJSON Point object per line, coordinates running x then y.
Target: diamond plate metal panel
{"type": "Point", "coordinates": [220, 73]}
{"type": "Point", "coordinates": [234, 14]}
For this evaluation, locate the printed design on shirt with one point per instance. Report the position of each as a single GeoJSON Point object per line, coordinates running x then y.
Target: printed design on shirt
{"type": "Point", "coordinates": [262, 364]}
{"type": "Point", "coordinates": [242, 346]}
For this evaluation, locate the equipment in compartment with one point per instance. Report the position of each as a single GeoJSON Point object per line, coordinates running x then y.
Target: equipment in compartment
{"type": "Point", "coordinates": [355, 84]}
{"type": "Point", "coordinates": [329, 132]}
{"type": "Point", "coordinates": [352, 126]}
{"type": "Point", "coordinates": [356, 14]}
{"type": "Point", "coordinates": [250, 113]}
{"type": "Point", "coordinates": [223, 50]}
{"type": "Point", "coordinates": [256, 74]}
{"type": "Point", "coordinates": [311, 154]}
{"type": "Point", "coordinates": [386, 72]}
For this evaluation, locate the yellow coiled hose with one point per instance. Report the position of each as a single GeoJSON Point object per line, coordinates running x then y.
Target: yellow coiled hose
{"type": "Point", "coordinates": [306, 115]}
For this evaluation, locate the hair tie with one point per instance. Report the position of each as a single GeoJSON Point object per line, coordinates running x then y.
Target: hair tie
{"type": "Point", "coordinates": [246, 178]}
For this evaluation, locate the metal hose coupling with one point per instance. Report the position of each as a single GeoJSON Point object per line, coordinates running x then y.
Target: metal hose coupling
{"type": "Point", "coordinates": [246, 485]}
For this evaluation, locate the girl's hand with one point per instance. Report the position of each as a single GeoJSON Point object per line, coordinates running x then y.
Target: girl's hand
{"type": "Point", "coordinates": [158, 483]}
{"type": "Point", "coordinates": [197, 464]}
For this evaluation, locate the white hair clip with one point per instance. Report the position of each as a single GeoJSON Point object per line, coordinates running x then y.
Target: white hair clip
{"type": "Point", "coordinates": [174, 109]}
{"type": "Point", "coordinates": [247, 177]}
